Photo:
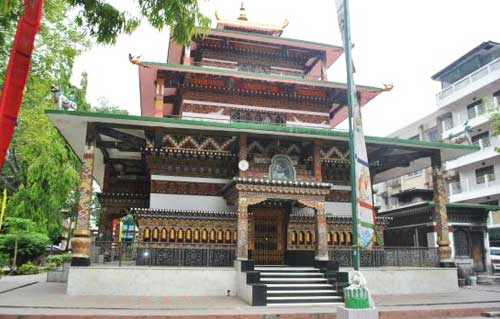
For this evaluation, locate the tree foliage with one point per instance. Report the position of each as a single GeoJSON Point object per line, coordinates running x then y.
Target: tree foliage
{"type": "Point", "coordinates": [105, 22]}
{"type": "Point", "coordinates": [105, 106]}
{"type": "Point", "coordinates": [31, 240]}
{"type": "Point", "coordinates": [40, 170]}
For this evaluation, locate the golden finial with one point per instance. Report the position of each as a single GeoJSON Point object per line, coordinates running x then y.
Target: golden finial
{"type": "Point", "coordinates": [243, 15]}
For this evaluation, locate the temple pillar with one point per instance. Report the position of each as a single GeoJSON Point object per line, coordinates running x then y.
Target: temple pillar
{"type": "Point", "coordinates": [159, 97]}
{"type": "Point", "coordinates": [440, 215]}
{"type": "Point", "coordinates": [242, 242]}
{"type": "Point", "coordinates": [242, 246]}
{"type": "Point", "coordinates": [243, 151]}
{"type": "Point", "coordinates": [320, 228]}
{"type": "Point", "coordinates": [317, 161]}
{"type": "Point", "coordinates": [81, 241]}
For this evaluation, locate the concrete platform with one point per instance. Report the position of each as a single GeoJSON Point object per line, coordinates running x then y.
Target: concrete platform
{"type": "Point", "coordinates": [223, 281]}
{"type": "Point", "coordinates": [49, 300]}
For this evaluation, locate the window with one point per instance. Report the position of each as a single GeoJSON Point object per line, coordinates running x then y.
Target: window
{"type": "Point", "coordinates": [496, 99]}
{"type": "Point", "coordinates": [482, 140]}
{"type": "Point", "coordinates": [485, 174]}
{"type": "Point", "coordinates": [461, 243]}
{"type": "Point", "coordinates": [475, 109]}
{"type": "Point", "coordinates": [415, 173]}
{"type": "Point", "coordinates": [447, 121]}
{"type": "Point", "coordinates": [433, 135]}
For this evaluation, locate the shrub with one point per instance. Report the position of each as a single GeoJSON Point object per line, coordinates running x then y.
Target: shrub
{"type": "Point", "coordinates": [31, 243]}
{"type": "Point", "coordinates": [27, 269]}
{"type": "Point", "coordinates": [50, 266]}
{"type": "Point", "coordinates": [54, 259]}
{"type": "Point", "coordinates": [66, 258]}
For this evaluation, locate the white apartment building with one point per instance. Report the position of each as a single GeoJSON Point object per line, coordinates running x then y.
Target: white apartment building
{"type": "Point", "coordinates": [470, 91]}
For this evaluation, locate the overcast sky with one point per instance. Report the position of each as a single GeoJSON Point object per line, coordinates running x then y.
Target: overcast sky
{"type": "Point", "coordinates": [402, 42]}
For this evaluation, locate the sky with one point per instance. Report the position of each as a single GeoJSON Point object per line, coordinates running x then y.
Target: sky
{"type": "Point", "coordinates": [403, 42]}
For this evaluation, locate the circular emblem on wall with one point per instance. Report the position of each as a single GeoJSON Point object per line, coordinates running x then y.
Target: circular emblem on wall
{"type": "Point", "coordinates": [243, 165]}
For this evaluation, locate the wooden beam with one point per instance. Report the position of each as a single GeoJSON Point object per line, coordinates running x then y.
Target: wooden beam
{"type": "Point", "coordinates": [122, 146]}
{"type": "Point", "coordinates": [134, 141]}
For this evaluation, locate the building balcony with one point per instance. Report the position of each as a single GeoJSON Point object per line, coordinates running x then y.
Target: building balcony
{"type": "Point", "coordinates": [474, 119]}
{"type": "Point", "coordinates": [487, 151]}
{"type": "Point", "coordinates": [471, 188]}
{"type": "Point", "coordinates": [474, 81]}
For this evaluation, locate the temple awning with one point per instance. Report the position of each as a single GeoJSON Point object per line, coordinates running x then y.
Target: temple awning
{"type": "Point", "coordinates": [390, 157]}
{"type": "Point", "coordinates": [327, 92]}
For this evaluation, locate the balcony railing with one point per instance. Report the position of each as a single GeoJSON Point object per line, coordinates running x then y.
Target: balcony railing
{"type": "Point", "coordinates": [455, 188]}
{"type": "Point", "coordinates": [483, 142]}
{"type": "Point", "coordinates": [486, 179]}
{"type": "Point", "coordinates": [473, 184]}
{"type": "Point", "coordinates": [469, 79]}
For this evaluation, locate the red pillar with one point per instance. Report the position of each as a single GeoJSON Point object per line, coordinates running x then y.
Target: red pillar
{"type": "Point", "coordinates": [17, 72]}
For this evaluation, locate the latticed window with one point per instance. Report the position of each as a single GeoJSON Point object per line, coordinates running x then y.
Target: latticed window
{"type": "Point", "coordinates": [461, 243]}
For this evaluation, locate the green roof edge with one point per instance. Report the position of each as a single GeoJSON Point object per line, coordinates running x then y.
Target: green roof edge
{"type": "Point", "coordinates": [265, 127]}
{"type": "Point", "coordinates": [274, 37]}
{"type": "Point", "coordinates": [260, 75]}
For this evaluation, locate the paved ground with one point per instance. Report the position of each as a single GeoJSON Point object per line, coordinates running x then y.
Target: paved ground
{"type": "Point", "coordinates": [32, 295]}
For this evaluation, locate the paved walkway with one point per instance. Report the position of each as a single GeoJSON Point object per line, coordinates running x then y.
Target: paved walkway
{"type": "Point", "coordinates": [24, 295]}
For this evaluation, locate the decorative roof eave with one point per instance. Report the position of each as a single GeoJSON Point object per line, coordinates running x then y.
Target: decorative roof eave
{"type": "Point", "coordinates": [184, 214]}
{"type": "Point", "coordinates": [367, 92]}
{"type": "Point", "coordinates": [332, 52]}
{"type": "Point", "coordinates": [72, 125]}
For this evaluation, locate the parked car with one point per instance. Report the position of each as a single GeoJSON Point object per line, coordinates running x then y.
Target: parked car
{"type": "Point", "coordinates": [495, 258]}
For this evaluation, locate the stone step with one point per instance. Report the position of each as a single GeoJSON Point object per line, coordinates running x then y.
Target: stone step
{"type": "Point", "coordinates": [305, 304]}
{"type": "Point", "coordinates": [290, 274]}
{"type": "Point", "coordinates": [275, 279]}
{"type": "Point", "coordinates": [284, 268]}
{"type": "Point", "coordinates": [311, 291]}
{"type": "Point", "coordinates": [294, 285]}
{"type": "Point", "coordinates": [283, 298]}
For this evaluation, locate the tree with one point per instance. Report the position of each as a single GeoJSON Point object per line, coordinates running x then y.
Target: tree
{"type": "Point", "coordinates": [40, 170]}
{"type": "Point", "coordinates": [495, 124]}
{"type": "Point", "coordinates": [105, 106]}
{"type": "Point", "coordinates": [105, 22]}
{"type": "Point", "coordinates": [22, 240]}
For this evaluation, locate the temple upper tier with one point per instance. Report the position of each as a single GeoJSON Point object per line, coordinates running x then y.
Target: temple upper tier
{"type": "Point", "coordinates": [246, 72]}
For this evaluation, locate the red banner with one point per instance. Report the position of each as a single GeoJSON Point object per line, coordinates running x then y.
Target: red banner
{"type": "Point", "coordinates": [17, 72]}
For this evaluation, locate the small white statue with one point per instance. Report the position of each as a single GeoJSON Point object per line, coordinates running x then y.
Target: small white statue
{"type": "Point", "coordinates": [61, 101]}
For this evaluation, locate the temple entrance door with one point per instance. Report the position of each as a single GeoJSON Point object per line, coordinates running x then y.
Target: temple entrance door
{"type": "Point", "coordinates": [269, 236]}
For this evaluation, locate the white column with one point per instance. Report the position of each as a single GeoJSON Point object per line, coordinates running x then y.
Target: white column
{"type": "Point", "coordinates": [487, 257]}
{"type": "Point", "coordinates": [432, 239]}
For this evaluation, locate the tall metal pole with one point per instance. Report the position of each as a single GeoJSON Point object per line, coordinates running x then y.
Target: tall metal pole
{"type": "Point", "coordinates": [352, 156]}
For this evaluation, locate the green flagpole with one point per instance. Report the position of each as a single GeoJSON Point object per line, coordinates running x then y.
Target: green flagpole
{"type": "Point", "coordinates": [352, 156]}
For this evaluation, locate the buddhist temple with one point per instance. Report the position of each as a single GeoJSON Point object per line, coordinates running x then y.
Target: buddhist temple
{"type": "Point", "coordinates": [235, 164]}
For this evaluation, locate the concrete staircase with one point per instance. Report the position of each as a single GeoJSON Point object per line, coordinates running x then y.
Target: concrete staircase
{"type": "Point", "coordinates": [297, 286]}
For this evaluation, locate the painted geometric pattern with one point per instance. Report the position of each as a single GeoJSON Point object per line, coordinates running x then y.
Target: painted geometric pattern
{"type": "Point", "coordinates": [219, 144]}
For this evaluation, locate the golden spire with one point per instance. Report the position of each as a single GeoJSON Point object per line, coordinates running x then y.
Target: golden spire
{"type": "Point", "coordinates": [243, 15]}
